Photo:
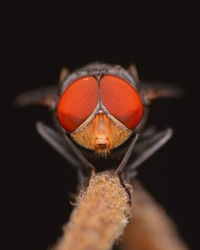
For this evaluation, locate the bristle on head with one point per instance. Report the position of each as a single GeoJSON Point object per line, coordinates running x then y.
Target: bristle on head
{"type": "Point", "coordinates": [102, 152]}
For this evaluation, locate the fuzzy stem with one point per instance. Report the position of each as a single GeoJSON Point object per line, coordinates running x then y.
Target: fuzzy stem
{"type": "Point", "coordinates": [150, 227]}
{"type": "Point", "coordinates": [101, 215]}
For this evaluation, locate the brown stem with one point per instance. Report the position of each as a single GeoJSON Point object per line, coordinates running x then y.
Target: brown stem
{"type": "Point", "coordinates": [150, 227]}
{"type": "Point", "coordinates": [102, 213]}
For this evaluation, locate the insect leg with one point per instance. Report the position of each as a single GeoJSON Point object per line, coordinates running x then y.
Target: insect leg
{"type": "Point", "coordinates": [147, 148]}
{"type": "Point", "coordinates": [126, 156]}
{"type": "Point", "coordinates": [124, 162]}
{"type": "Point", "coordinates": [148, 132]}
{"type": "Point", "coordinates": [78, 153]}
{"type": "Point", "coordinates": [59, 144]}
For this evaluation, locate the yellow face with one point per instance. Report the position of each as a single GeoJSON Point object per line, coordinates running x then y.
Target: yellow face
{"type": "Point", "coordinates": [101, 134]}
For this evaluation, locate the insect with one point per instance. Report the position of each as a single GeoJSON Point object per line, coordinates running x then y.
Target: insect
{"type": "Point", "coordinates": [99, 112]}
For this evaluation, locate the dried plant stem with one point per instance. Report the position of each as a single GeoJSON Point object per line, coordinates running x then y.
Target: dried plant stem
{"type": "Point", "coordinates": [102, 213]}
{"type": "Point", "coordinates": [150, 227]}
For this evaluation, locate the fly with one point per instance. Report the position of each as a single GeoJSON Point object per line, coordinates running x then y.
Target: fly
{"type": "Point", "coordinates": [100, 111]}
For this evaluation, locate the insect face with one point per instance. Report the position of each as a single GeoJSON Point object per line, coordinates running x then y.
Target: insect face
{"type": "Point", "coordinates": [100, 111]}
{"type": "Point", "coordinates": [100, 108]}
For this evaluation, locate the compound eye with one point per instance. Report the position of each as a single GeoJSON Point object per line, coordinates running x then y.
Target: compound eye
{"type": "Point", "coordinates": [78, 102]}
{"type": "Point", "coordinates": [121, 100]}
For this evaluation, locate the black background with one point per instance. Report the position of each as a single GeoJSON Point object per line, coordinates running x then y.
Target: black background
{"type": "Point", "coordinates": [162, 39]}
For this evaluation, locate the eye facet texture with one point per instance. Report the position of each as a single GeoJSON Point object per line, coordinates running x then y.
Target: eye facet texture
{"type": "Point", "coordinates": [78, 102]}
{"type": "Point", "coordinates": [121, 100]}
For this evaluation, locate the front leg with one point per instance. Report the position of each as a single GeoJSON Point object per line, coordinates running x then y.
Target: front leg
{"type": "Point", "coordinates": [146, 148]}
{"type": "Point", "coordinates": [53, 138]}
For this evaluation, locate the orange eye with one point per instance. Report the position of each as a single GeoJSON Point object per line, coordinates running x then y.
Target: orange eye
{"type": "Point", "coordinates": [121, 100]}
{"type": "Point", "coordinates": [78, 102]}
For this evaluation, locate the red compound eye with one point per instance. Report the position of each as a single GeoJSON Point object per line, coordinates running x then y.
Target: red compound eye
{"type": "Point", "coordinates": [121, 100]}
{"type": "Point", "coordinates": [78, 102]}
